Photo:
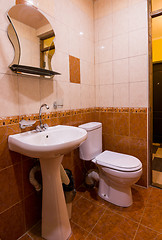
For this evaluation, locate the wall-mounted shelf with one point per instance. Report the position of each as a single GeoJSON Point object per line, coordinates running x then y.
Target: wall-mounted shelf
{"type": "Point", "coordinates": [33, 70]}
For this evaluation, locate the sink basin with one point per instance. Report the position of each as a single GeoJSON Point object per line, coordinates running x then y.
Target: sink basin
{"type": "Point", "coordinates": [52, 142]}
{"type": "Point", "coordinates": [50, 146]}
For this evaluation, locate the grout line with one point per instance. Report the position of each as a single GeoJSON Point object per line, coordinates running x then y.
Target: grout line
{"type": "Point", "coordinates": [142, 215]}
{"type": "Point", "coordinates": [28, 232]}
{"type": "Point", "coordinates": [30, 236]}
{"type": "Point", "coordinates": [12, 165]}
{"type": "Point", "coordinates": [150, 229]}
{"type": "Point", "coordinates": [20, 236]}
{"type": "Point", "coordinates": [98, 221]}
{"type": "Point", "coordinates": [96, 237]}
{"type": "Point", "coordinates": [79, 226]}
{"type": "Point", "coordinates": [11, 206]}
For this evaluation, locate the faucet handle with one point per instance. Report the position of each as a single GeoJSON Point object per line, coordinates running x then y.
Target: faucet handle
{"type": "Point", "coordinates": [38, 128]}
{"type": "Point", "coordinates": [41, 128]}
{"type": "Point", "coordinates": [45, 126]}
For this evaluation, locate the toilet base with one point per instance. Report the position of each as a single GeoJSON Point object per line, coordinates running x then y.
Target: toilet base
{"type": "Point", "coordinates": [120, 196]}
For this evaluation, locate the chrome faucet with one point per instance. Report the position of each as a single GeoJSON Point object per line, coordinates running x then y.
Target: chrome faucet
{"type": "Point", "coordinates": [42, 127]}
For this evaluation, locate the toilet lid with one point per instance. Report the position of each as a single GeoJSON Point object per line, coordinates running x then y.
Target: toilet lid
{"type": "Point", "coordinates": [118, 161]}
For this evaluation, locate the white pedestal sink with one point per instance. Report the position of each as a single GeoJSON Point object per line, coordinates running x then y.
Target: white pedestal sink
{"type": "Point", "coordinates": [50, 146]}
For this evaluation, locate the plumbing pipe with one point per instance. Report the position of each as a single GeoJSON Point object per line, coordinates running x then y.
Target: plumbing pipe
{"type": "Point", "coordinates": [32, 179]}
{"type": "Point", "coordinates": [92, 177]}
{"type": "Point", "coordinates": [64, 177]}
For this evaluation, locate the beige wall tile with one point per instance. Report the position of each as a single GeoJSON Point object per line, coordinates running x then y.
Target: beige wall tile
{"type": "Point", "coordinates": [87, 72]}
{"type": "Point", "coordinates": [121, 95]}
{"type": "Point", "coordinates": [86, 50]}
{"type": "Point", "coordinates": [85, 96]}
{"type": "Point", "coordinates": [106, 95]}
{"type": "Point", "coordinates": [106, 73]}
{"type": "Point", "coordinates": [120, 22]}
{"type": "Point", "coordinates": [105, 27]}
{"type": "Point", "coordinates": [3, 19]}
{"type": "Point", "coordinates": [97, 95]}
{"type": "Point", "coordinates": [74, 46]}
{"type": "Point", "coordinates": [138, 16]}
{"type": "Point", "coordinates": [97, 74]}
{"type": "Point", "coordinates": [6, 52]}
{"type": "Point", "coordinates": [63, 94]}
{"type": "Point", "coordinates": [62, 37]}
{"type": "Point", "coordinates": [132, 2]}
{"type": "Point", "coordinates": [138, 68]}
{"type": "Point", "coordinates": [9, 95]}
{"type": "Point", "coordinates": [60, 63]}
{"type": "Point", "coordinates": [105, 50]}
{"type": "Point", "coordinates": [29, 95]}
{"type": "Point", "coordinates": [138, 42]}
{"type": "Point", "coordinates": [138, 94]}
{"type": "Point", "coordinates": [92, 96]}
{"type": "Point", "coordinates": [48, 93]}
{"type": "Point", "coordinates": [75, 95]}
{"type": "Point", "coordinates": [120, 47]}
{"type": "Point", "coordinates": [102, 8]}
{"type": "Point", "coordinates": [118, 4]}
{"type": "Point", "coordinates": [121, 71]}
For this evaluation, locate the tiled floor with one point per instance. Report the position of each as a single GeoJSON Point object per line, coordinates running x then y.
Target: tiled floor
{"type": "Point", "coordinates": [95, 219]}
{"type": "Point", "coordinates": [157, 165]}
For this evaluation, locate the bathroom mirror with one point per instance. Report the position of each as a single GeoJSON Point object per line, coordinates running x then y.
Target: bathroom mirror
{"type": "Point", "coordinates": [32, 37]}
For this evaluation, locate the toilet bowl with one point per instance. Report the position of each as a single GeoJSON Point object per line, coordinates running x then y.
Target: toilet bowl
{"type": "Point", "coordinates": [117, 172]}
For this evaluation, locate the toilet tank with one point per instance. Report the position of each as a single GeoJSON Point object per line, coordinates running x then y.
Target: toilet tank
{"type": "Point", "coordinates": [92, 146]}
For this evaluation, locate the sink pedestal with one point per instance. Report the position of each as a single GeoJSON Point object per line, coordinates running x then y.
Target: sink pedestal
{"type": "Point", "coordinates": [55, 220]}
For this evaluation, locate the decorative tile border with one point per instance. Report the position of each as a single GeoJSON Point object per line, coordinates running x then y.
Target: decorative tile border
{"type": "Point", "coordinates": [138, 110]}
{"type": "Point", "coordinates": [58, 114]}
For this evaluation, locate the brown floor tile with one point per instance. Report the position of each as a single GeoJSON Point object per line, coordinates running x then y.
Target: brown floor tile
{"type": "Point", "coordinates": [155, 197]}
{"type": "Point", "coordinates": [152, 217]}
{"type": "Point", "coordinates": [113, 226]}
{"type": "Point", "coordinates": [135, 211]}
{"type": "Point", "coordinates": [35, 232]}
{"type": "Point", "coordinates": [78, 233]}
{"type": "Point", "coordinates": [145, 233]}
{"type": "Point", "coordinates": [25, 237]}
{"type": "Point", "coordinates": [77, 197]}
{"type": "Point", "coordinates": [141, 194]}
{"type": "Point", "coordinates": [92, 237]}
{"type": "Point", "coordinates": [85, 213]}
{"type": "Point", "coordinates": [91, 194]}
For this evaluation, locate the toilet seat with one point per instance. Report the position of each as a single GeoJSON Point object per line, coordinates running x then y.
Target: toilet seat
{"type": "Point", "coordinates": [118, 161]}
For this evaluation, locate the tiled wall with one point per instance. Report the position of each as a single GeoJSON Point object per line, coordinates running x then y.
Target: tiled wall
{"type": "Point", "coordinates": [24, 95]}
{"type": "Point", "coordinates": [121, 75]}
{"type": "Point", "coordinates": [121, 48]}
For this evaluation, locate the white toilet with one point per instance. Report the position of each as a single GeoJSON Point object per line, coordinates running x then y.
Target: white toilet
{"type": "Point", "coordinates": [117, 172]}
